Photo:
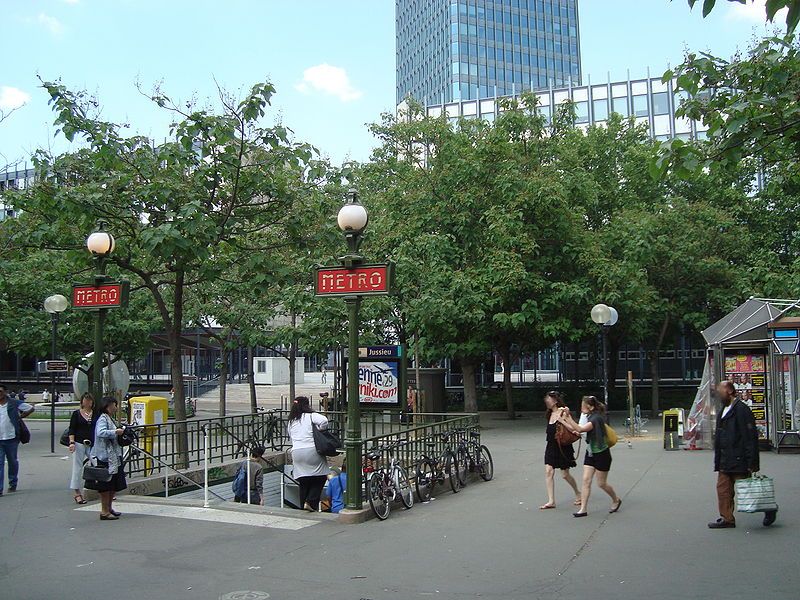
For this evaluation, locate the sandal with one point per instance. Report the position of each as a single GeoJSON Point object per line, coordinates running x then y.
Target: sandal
{"type": "Point", "coordinates": [547, 506]}
{"type": "Point", "coordinates": [615, 508]}
{"type": "Point", "coordinates": [79, 499]}
{"type": "Point", "coordinates": [579, 514]}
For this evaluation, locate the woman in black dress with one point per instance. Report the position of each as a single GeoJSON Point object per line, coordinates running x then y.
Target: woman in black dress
{"type": "Point", "coordinates": [81, 436]}
{"type": "Point", "coordinates": [555, 455]}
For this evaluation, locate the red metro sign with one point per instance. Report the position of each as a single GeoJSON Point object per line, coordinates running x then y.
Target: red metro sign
{"type": "Point", "coordinates": [107, 295]}
{"type": "Point", "coordinates": [365, 280]}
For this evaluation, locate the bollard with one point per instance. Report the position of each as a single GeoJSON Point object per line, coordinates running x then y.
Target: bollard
{"type": "Point", "coordinates": [205, 466]}
{"type": "Point", "coordinates": [248, 477]}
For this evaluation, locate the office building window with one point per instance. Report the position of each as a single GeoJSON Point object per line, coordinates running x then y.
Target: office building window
{"type": "Point", "coordinates": [582, 112]}
{"type": "Point", "coordinates": [620, 106]}
{"type": "Point", "coordinates": [600, 110]}
{"type": "Point", "coordinates": [660, 104]}
{"type": "Point", "coordinates": [640, 106]}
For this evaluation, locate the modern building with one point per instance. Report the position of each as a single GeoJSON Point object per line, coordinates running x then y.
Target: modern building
{"type": "Point", "coordinates": [15, 179]}
{"type": "Point", "coordinates": [454, 50]}
{"type": "Point", "coordinates": [649, 101]}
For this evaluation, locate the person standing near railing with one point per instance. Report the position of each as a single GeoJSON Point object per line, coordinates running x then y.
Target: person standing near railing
{"type": "Point", "coordinates": [256, 480]}
{"type": "Point", "coordinates": [81, 438]}
{"type": "Point", "coordinates": [107, 453]}
{"type": "Point", "coordinates": [310, 468]}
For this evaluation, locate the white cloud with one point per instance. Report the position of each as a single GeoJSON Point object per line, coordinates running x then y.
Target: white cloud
{"type": "Point", "coordinates": [329, 80]}
{"type": "Point", "coordinates": [52, 24]}
{"type": "Point", "coordinates": [754, 11]}
{"type": "Point", "coordinates": [11, 98]}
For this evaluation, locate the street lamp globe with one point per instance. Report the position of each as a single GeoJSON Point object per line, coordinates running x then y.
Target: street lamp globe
{"type": "Point", "coordinates": [353, 216]}
{"type": "Point", "coordinates": [601, 314]}
{"type": "Point", "coordinates": [614, 317]}
{"type": "Point", "coordinates": [55, 304]}
{"type": "Point", "coordinates": [100, 243]}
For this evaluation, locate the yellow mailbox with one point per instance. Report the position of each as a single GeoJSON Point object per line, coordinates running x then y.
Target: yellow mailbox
{"type": "Point", "coordinates": [148, 411]}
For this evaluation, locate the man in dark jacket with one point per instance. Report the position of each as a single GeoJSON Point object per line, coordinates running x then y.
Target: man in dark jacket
{"type": "Point", "coordinates": [735, 451]}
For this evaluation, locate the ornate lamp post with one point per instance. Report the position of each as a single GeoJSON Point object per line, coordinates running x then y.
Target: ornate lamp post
{"type": "Point", "coordinates": [606, 317]}
{"type": "Point", "coordinates": [101, 245]}
{"type": "Point", "coordinates": [54, 305]}
{"type": "Point", "coordinates": [353, 221]}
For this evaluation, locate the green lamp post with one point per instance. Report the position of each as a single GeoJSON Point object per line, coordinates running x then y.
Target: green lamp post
{"type": "Point", "coordinates": [353, 221]}
{"type": "Point", "coordinates": [101, 245]}
{"type": "Point", "coordinates": [54, 305]}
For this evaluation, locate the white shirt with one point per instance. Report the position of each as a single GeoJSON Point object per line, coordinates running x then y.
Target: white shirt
{"type": "Point", "coordinates": [301, 432]}
{"type": "Point", "coordinates": [7, 431]}
{"type": "Point", "coordinates": [726, 410]}
{"type": "Point", "coordinates": [583, 421]}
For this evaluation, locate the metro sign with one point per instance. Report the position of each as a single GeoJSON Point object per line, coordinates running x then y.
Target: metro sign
{"type": "Point", "coordinates": [107, 295]}
{"type": "Point", "coordinates": [364, 280]}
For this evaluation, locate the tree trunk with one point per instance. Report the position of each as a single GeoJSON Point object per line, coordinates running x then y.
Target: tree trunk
{"type": "Point", "coordinates": [223, 378]}
{"type": "Point", "coordinates": [470, 389]}
{"type": "Point", "coordinates": [654, 367]}
{"type": "Point", "coordinates": [292, 359]}
{"type": "Point", "coordinates": [251, 380]}
{"type": "Point", "coordinates": [655, 378]}
{"type": "Point", "coordinates": [505, 353]}
{"type": "Point", "coordinates": [181, 440]}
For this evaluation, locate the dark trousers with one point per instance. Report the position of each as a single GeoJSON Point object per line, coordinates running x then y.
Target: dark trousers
{"type": "Point", "coordinates": [8, 452]}
{"type": "Point", "coordinates": [311, 490]}
{"type": "Point", "coordinates": [725, 494]}
{"type": "Point", "coordinates": [255, 498]}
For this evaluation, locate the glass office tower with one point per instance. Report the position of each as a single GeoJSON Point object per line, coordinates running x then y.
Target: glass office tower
{"type": "Point", "coordinates": [454, 50]}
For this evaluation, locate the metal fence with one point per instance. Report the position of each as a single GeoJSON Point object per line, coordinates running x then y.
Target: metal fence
{"type": "Point", "coordinates": [231, 438]}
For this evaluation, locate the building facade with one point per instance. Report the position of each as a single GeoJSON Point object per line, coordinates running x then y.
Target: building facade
{"type": "Point", "coordinates": [454, 50]}
{"type": "Point", "coordinates": [649, 101]}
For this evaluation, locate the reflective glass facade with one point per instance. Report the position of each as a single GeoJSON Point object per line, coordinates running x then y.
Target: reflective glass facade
{"type": "Point", "coordinates": [455, 50]}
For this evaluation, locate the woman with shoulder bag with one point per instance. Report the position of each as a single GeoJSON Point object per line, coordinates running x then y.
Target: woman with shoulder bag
{"type": "Point", "coordinates": [107, 453]}
{"type": "Point", "coordinates": [598, 453]}
{"type": "Point", "coordinates": [310, 468]}
{"type": "Point", "coordinates": [559, 453]}
{"type": "Point", "coordinates": [81, 434]}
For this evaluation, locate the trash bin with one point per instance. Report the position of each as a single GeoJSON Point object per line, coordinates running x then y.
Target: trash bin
{"type": "Point", "coordinates": [673, 428]}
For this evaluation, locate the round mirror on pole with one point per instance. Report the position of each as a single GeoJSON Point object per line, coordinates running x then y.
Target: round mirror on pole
{"type": "Point", "coordinates": [601, 314]}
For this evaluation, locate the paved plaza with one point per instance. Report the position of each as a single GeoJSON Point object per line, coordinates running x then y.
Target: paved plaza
{"type": "Point", "coordinates": [489, 541]}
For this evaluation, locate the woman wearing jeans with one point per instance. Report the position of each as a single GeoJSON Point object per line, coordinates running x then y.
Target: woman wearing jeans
{"type": "Point", "coordinates": [310, 468]}
{"type": "Point", "coordinates": [81, 436]}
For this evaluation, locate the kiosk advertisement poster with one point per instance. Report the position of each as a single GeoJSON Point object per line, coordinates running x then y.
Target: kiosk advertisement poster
{"type": "Point", "coordinates": [748, 373]}
{"type": "Point", "coordinates": [380, 376]}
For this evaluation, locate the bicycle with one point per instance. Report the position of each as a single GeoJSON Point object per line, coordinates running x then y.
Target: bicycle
{"type": "Point", "coordinates": [261, 434]}
{"type": "Point", "coordinates": [430, 471]}
{"type": "Point", "coordinates": [386, 483]}
{"type": "Point", "coordinates": [473, 457]}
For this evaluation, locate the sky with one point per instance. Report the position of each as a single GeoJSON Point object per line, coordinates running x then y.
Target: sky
{"type": "Point", "coordinates": [332, 61]}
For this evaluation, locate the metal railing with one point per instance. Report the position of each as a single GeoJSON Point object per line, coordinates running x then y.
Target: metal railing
{"type": "Point", "coordinates": [231, 438]}
{"type": "Point", "coordinates": [418, 437]}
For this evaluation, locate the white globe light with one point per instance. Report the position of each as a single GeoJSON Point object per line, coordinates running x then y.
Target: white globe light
{"type": "Point", "coordinates": [55, 304]}
{"type": "Point", "coordinates": [614, 316]}
{"type": "Point", "coordinates": [601, 314]}
{"type": "Point", "coordinates": [100, 243]}
{"type": "Point", "coordinates": [352, 217]}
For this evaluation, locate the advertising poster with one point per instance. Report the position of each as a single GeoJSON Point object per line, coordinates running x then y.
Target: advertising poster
{"type": "Point", "coordinates": [379, 383]}
{"type": "Point", "coordinates": [748, 373]}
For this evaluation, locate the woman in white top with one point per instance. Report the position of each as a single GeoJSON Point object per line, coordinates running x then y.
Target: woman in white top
{"type": "Point", "coordinates": [310, 468]}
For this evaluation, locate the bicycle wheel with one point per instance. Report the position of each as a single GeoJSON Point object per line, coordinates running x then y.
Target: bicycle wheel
{"type": "Point", "coordinates": [425, 480]}
{"type": "Point", "coordinates": [486, 468]}
{"type": "Point", "coordinates": [400, 479]}
{"type": "Point", "coordinates": [378, 499]}
{"type": "Point", "coordinates": [450, 468]}
{"type": "Point", "coordinates": [462, 465]}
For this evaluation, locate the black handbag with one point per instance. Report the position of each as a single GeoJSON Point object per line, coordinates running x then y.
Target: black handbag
{"type": "Point", "coordinates": [326, 443]}
{"type": "Point", "coordinates": [93, 473]}
{"type": "Point", "coordinates": [127, 437]}
{"type": "Point", "coordinates": [64, 439]}
{"type": "Point", "coordinates": [24, 432]}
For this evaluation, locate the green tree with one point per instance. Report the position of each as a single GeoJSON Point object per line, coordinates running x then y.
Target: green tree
{"type": "Point", "coordinates": [182, 211]}
{"type": "Point", "coordinates": [771, 9]}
